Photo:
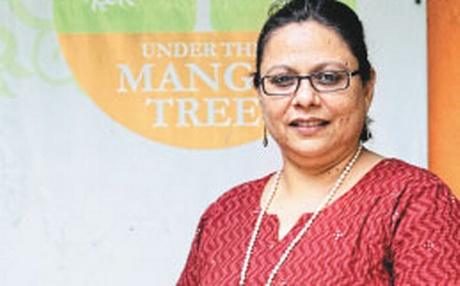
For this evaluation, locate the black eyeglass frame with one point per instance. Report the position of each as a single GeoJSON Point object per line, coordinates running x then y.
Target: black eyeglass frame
{"type": "Point", "coordinates": [299, 78]}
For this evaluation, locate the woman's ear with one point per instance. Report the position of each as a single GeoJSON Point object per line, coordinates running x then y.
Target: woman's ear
{"type": "Point", "coordinates": [369, 89]}
{"type": "Point", "coordinates": [256, 86]}
{"type": "Point", "coordinates": [259, 95]}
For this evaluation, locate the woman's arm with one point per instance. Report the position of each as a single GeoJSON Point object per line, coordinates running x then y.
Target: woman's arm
{"type": "Point", "coordinates": [426, 242]}
{"type": "Point", "coordinates": [191, 274]}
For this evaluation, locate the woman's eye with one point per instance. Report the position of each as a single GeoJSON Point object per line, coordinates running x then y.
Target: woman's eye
{"type": "Point", "coordinates": [329, 78]}
{"type": "Point", "coordinates": [283, 80]}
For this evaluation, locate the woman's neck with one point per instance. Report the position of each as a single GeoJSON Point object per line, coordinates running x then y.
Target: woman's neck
{"type": "Point", "coordinates": [314, 177]}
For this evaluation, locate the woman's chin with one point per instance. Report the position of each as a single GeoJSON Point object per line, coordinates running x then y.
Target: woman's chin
{"type": "Point", "coordinates": [312, 147]}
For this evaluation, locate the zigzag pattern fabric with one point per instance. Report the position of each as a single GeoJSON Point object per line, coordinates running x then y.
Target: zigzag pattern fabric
{"type": "Point", "coordinates": [399, 225]}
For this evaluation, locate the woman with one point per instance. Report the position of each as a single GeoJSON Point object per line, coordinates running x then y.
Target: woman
{"type": "Point", "coordinates": [337, 213]}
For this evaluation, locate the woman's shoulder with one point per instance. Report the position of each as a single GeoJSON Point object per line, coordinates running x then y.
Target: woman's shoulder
{"type": "Point", "coordinates": [405, 179]}
{"type": "Point", "coordinates": [397, 170]}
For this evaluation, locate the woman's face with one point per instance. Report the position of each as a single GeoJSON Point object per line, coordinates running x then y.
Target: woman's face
{"type": "Point", "coordinates": [309, 123]}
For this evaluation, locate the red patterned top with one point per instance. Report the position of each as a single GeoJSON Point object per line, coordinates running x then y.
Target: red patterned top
{"type": "Point", "coordinates": [399, 225]}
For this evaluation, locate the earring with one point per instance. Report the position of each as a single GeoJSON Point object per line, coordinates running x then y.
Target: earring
{"type": "Point", "coordinates": [366, 128]}
{"type": "Point", "coordinates": [265, 138]}
{"type": "Point", "coordinates": [368, 134]}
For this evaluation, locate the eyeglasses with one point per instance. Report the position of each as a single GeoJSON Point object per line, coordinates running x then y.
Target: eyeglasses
{"type": "Point", "coordinates": [324, 82]}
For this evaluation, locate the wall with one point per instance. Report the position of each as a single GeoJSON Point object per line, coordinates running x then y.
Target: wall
{"type": "Point", "coordinates": [85, 200]}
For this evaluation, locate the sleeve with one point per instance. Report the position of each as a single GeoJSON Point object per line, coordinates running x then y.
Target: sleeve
{"type": "Point", "coordinates": [426, 242]}
{"type": "Point", "coordinates": [191, 273]}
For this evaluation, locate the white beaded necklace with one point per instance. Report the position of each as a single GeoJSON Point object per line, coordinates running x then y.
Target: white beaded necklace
{"type": "Point", "coordinates": [304, 229]}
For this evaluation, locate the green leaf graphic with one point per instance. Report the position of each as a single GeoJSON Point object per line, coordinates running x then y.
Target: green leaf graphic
{"type": "Point", "coordinates": [8, 54]}
{"type": "Point", "coordinates": [9, 47]}
{"type": "Point", "coordinates": [131, 16]}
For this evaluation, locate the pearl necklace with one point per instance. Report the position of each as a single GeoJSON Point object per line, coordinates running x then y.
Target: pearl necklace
{"type": "Point", "coordinates": [304, 229]}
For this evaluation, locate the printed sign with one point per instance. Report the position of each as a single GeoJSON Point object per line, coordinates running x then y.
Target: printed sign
{"type": "Point", "coordinates": [177, 72]}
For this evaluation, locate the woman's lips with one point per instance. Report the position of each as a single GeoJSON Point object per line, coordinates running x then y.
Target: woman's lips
{"type": "Point", "coordinates": [308, 127]}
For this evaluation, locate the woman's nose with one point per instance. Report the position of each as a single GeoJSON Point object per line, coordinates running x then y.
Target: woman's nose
{"type": "Point", "coordinates": [306, 95]}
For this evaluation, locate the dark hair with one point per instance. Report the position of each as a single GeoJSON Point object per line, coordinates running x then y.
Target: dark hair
{"type": "Point", "coordinates": [330, 13]}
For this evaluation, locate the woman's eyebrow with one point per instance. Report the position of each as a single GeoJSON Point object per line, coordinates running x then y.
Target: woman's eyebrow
{"type": "Point", "coordinates": [281, 68]}
{"type": "Point", "coordinates": [330, 64]}
{"type": "Point", "coordinates": [315, 68]}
